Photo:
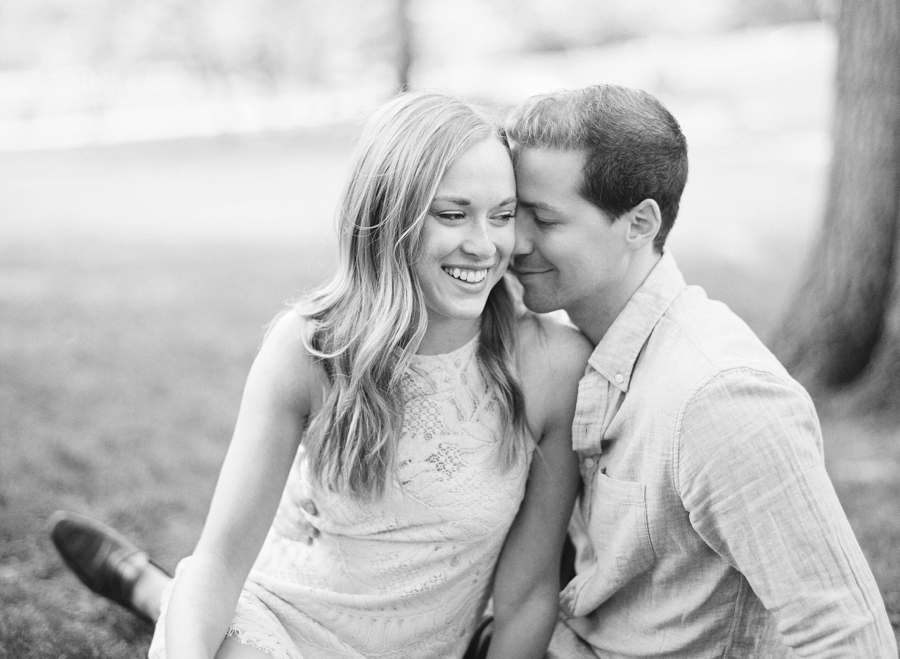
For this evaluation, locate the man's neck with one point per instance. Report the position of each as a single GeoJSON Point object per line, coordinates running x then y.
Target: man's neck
{"type": "Point", "coordinates": [594, 317]}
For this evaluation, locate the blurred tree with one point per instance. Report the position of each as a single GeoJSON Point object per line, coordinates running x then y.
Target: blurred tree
{"type": "Point", "coordinates": [750, 13]}
{"type": "Point", "coordinates": [553, 25]}
{"type": "Point", "coordinates": [404, 44]}
{"type": "Point", "coordinates": [267, 43]}
{"type": "Point", "coordinates": [843, 329]}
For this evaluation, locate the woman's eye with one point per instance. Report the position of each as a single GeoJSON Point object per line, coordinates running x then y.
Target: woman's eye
{"type": "Point", "coordinates": [506, 216]}
{"type": "Point", "coordinates": [451, 215]}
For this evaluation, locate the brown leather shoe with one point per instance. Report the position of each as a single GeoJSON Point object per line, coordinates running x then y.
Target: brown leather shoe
{"type": "Point", "coordinates": [103, 559]}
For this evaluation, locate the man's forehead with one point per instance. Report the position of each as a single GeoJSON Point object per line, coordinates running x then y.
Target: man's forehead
{"type": "Point", "coordinates": [539, 165]}
{"type": "Point", "coordinates": [546, 176]}
{"type": "Point", "coordinates": [544, 153]}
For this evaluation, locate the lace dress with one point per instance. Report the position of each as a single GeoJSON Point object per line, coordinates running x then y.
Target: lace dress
{"type": "Point", "coordinates": [408, 575]}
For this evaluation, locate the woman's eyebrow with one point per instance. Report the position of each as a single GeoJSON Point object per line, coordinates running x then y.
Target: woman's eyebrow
{"type": "Point", "coordinates": [462, 201]}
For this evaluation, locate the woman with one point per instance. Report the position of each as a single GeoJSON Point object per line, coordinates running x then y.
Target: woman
{"type": "Point", "coordinates": [418, 396]}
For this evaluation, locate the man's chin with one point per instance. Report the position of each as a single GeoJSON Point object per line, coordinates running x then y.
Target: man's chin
{"type": "Point", "coordinates": [538, 303]}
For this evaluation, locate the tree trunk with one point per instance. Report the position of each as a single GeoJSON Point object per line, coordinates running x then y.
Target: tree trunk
{"type": "Point", "coordinates": [845, 317]}
{"type": "Point", "coordinates": [404, 44]}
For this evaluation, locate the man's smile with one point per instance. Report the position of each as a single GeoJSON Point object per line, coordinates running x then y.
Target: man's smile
{"type": "Point", "coordinates": [524, 271]}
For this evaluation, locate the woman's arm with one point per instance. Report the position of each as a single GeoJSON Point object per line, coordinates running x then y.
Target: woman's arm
{"type": "Point", "coordinates": [278, 397]}
{"type": "Point", "coordinates": [526, 586]}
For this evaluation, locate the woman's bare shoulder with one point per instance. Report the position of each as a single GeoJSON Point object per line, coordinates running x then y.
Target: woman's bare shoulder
{"type": "Point", "coordinates": [286, 359]}
{"type": "Point", "coordinates": [550, 341]}
{"type": "Point", "coordinates": [285, 336]}
{"type": "Point", "coordinates": [552, 357]}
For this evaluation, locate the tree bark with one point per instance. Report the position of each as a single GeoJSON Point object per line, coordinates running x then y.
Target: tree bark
{"type": "Point", "coordinates": [845, 316]}
{"type": "Point", "coordinates": [404, 45]}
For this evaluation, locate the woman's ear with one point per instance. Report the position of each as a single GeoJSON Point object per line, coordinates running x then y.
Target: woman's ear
{"type": "Point", "coordinates": [644, 221]}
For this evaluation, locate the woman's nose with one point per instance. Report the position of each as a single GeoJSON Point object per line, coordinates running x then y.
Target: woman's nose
{"type": "Point", "coordinates": [480, 242]}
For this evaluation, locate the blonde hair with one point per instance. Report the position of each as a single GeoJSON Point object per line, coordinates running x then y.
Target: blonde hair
{"type": "Point", "coordinates": [366, 322]}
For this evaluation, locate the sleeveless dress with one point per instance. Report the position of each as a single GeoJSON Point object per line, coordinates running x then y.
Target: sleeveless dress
{"type": "Point", "coordinates": [408, 575]}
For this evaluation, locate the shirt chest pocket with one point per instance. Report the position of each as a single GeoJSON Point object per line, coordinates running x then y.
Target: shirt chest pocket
{"type": "Point", "coordinates": [617, 548]}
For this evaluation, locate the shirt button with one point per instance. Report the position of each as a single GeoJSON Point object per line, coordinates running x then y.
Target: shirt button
{"type": "Point", "coordinates": [589, 463]}
{"type": "Point", "coordinates": [620, 378]}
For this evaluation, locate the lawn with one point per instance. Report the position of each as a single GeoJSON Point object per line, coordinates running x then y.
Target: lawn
{"type": "Point", "coordinates": [122, 370]}
{"type": "Point", "coordinates": [135, 284]}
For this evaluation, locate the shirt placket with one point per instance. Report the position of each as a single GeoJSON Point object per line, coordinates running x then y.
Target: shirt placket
{"type": "Point", "coordinates": [587, 434]}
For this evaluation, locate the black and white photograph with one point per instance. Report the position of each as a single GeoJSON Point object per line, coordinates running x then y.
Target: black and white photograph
{"type": "Point", "coordinates": [449, 329]}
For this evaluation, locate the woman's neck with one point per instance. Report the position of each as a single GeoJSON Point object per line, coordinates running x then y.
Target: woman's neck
{"type": "Point", "coordinates": [445, 335]}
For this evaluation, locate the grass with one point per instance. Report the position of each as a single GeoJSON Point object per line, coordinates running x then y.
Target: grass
{"type": "Point", "coordinates": [122, 369]}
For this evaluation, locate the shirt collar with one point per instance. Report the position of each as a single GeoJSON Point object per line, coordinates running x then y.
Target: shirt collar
{"type": "Point", "coordinates": [618, 350]}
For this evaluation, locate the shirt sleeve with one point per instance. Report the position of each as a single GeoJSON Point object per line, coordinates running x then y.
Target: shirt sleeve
{"type": "Point", "coordinates": [751, 475]}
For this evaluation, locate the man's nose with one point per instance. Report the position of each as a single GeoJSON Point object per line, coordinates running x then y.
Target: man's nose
{"type": "Point", "coordinates": [523, 244]}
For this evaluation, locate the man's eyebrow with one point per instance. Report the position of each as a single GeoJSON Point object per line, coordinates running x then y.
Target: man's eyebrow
{"type": "Point", "coordinates": [538, 205]}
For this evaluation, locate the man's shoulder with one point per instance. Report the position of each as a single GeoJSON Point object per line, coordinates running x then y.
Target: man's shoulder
{"type": "Point", "coordinates": [711, 335]}
{"type": "Point", "coordinates": [711, 373]}
{"type": "Point", "coordinates": [699, 342]}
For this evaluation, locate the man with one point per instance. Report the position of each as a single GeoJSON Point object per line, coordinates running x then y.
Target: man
{"type": "Point", "coordinates": [707, 525]}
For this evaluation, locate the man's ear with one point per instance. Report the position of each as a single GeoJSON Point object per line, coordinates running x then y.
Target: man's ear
{"type": "Point", "coordinates": [644, 221]}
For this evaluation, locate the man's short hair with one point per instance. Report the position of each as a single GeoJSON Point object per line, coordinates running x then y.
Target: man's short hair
{"type": "Point", "coordinates": [634, 148]}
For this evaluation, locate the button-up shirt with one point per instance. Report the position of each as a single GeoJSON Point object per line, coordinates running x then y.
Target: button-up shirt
{"type": "Point", "coordinates": [708, 526]}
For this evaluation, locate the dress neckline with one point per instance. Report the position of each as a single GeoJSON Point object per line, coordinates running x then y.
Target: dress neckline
{"type": "Point", "coordinates": [467, 347]}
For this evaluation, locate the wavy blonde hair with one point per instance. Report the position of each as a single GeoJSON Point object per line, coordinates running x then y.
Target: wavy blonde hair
{"type": "Point", "coordinates": [364, 324]}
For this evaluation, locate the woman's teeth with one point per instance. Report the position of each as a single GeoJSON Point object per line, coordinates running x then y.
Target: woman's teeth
{"type": "Point", "coordinates": [471, 276]}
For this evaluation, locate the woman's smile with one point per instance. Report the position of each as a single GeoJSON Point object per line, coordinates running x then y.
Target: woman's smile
{"type": "Point", "coordinates": [467, 274]}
